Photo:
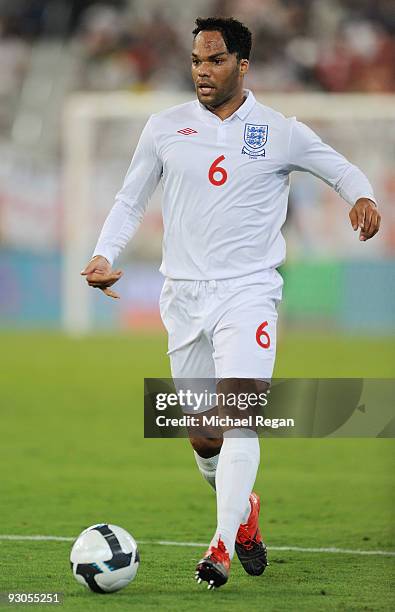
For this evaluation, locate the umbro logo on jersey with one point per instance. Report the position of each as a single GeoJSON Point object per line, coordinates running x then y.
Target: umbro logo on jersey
{"type": "Point", "coordinates": [187, 131]}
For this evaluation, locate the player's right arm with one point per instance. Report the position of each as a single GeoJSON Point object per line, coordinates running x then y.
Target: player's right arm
{"type": "Point", "coordinates": [126, 215]}
{"type": "Point", "coordinates": [99, 274]}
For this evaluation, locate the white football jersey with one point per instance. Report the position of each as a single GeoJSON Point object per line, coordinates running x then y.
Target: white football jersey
{"type": "Point", "coordinates": [225, 187]}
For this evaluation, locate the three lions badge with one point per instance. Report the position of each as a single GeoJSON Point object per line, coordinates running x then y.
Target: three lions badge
{"type": "Point", "coordinates": [255, 138]}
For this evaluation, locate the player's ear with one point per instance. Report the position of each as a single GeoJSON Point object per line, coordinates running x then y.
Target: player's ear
{"type": "Point", "coordinates": [244, 65]}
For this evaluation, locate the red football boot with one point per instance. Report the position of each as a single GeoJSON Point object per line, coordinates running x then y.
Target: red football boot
{"type": "Point", "coordinates": [249, 547]}
{"type": "Point", "coordinates": [214, 567]}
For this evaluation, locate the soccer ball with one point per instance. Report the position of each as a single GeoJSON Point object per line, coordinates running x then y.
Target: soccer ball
{"type": "Point", "coordinates": [104, 558]}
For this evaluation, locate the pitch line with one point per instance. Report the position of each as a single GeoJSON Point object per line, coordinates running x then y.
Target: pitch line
{"type": "Point", "coordinates": [332, 549]}
{"type": "Point", "coordinates": [36, 538]}
{"type": "Point", "coordinates": [303, 549]}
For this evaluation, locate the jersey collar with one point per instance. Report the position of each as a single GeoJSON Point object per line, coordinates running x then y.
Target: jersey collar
{"type": "Point", "coordinates": [247, 105]}
{"type": "Point", "coordinates": [241, 112]}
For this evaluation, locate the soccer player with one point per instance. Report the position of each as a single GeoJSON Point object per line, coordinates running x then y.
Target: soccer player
{"type": "Point", "coordinates": [224, 162]}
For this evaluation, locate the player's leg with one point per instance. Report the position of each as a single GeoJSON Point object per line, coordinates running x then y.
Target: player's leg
{"type": "Point", "coordinates": [235, 477]}
{"type": "Point", "coordinates": [191, 360]}
{"type": "Point", "coordinates": [206, 448]}
{"type": "Point", "coordinates": [237, 505]}
{"type": "Point", "coordinates": [237, 465]}
{"type": "Point", "coordinates": [206, 441]}
{"type": "Point", "coordinates": [244, 353]}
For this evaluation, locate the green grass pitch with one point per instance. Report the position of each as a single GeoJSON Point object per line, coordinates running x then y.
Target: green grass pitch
{"type": "Point", "coordinates": [72, 454]}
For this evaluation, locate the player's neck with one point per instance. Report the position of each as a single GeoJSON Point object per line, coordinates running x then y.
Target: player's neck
{"type": "Point", "coordinates": [229, 107]}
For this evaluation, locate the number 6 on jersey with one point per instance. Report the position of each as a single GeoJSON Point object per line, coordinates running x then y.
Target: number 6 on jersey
{"type": "Point", "coordinates": [215, 168]}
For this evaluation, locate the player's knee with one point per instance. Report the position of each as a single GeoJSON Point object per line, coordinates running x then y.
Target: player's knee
{"type": "Point", "coordinates": [239, 399]}
{"type": "Point", "coordinates": [242, 385]}
{"type": "Point", "coordinates": [206, 447]}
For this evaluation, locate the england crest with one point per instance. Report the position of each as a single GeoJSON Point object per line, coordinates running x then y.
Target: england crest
{"type": "Point", "coordinates": [255, 137]}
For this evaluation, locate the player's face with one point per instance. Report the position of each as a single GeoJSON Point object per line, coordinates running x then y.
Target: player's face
{"type": "Point", "coordinates": [217, 74]}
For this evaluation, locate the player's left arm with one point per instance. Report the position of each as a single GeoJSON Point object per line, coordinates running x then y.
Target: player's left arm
{"type": "Point", "coordinates": [365, 215]}
{"type": "Point", "coordinates": [307, 152]}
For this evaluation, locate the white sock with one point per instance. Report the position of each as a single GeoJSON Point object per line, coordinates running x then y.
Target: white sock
{"type": "Point", "coordinates": [207, 467]}
{"type": "Point", "coordinates": [235, 477]}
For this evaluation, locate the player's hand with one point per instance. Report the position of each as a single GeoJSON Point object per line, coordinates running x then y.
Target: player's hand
{"type": "Point", "coordinates": [99, 274]}
{"type": "Point", "coordinates": [364, 215]}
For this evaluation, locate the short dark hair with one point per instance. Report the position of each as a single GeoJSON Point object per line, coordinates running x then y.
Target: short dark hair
{"type": "Point", "coordinates": [237, 37]}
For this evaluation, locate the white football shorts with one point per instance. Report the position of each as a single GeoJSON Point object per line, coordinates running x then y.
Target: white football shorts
{"type": "Point", "coordinates": [222, 328]}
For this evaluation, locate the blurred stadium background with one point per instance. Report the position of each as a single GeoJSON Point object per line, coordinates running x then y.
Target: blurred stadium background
{"type": "Point", "coordinates": [72, 450]}
{"type": "Point", "coordinates": [305, 50]}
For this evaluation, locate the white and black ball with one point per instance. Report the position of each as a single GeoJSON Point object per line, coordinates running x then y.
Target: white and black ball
{"type": "Point", "coordinates": [104, 558]}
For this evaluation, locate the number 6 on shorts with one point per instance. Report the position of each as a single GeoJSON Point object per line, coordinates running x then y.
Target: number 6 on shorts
{"type": "Point", "coordinates": [262, 336]}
